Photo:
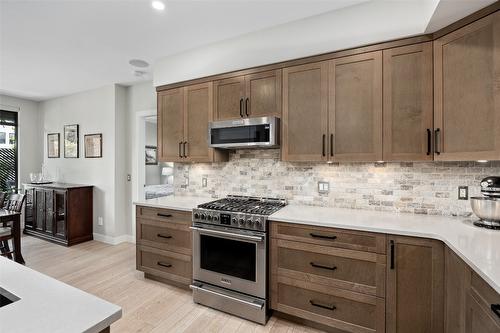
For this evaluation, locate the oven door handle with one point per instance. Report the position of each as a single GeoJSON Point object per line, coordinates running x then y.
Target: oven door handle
{"type": "Point", "coordinates": [255, 305]}
{"type": "Point", "coordinates": [229, 234]}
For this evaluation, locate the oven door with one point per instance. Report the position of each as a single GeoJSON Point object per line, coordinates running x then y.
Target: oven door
{"type": "Point", "coordinates": [232, 259]}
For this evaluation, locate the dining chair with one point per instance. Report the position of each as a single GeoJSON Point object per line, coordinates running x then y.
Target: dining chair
{"type": "Point", "coordinates": [13, 203]}
{"type": "Point", "coordinates": [2, 199]}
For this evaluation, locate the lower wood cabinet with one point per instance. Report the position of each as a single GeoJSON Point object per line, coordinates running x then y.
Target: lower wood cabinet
{"type": "Point", "coordinates": [164, 244]}
{"type": "Point", "coordinates": [415, 283]}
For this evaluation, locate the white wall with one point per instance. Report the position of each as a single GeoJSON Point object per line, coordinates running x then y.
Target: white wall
{"type": "Point", "coordinates": [95, 112]}
{"type": "Point", "coordinates": [367, 23]}
{"type": "Point", "coordinates": [30, 134]}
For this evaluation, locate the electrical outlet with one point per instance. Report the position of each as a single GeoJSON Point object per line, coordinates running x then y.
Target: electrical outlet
{"type": "Point", "coordinates": [204, 182]}
{"type": "Point", "coordinates": [323, 187]}
{"type": "Point", "coordinates": [100, 220]}
{"type": "Point", "coordinates": [186, 181]}
{"type": "Point", "coordinates": [463, 192]}
{"type": "Point", "coordinates": [129, 178]}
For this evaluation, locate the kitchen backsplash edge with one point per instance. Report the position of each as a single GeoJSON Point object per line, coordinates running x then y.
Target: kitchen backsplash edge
{"type": "Point", "coordinates": [406, 187]}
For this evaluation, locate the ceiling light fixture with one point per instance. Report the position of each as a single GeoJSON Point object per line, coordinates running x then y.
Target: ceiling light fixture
{"type": "Point", "coordinates": [138, 63]}
{"type": "Point", "coordinates": [158, 5]}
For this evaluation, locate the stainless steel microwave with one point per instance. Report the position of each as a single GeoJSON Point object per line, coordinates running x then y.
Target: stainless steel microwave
{"type": "Point", "coordinates": [261, 132]}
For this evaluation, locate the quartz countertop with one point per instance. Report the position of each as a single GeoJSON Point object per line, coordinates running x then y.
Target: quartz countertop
{"type": "Point", "coordinates": [478, 247]}
{"type": "Point", "coordinates": [47, 305]}
{"type": "Point", "coordinates": [185, 203]}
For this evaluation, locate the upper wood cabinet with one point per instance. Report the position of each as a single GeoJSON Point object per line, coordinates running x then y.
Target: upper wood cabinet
{"type": "Point", "coordinates": [183, 116]}
{"type": "Point", "coordinates": [305, 112]}
{"type": "Point", "coordinates": [467, 92]}
{"type": "Point", "coordinates": [408, 103]}
{"type": "Point", "coordinates": [170, 125]}
{"type": "Point", "coordinates": [355, 108]}
{"type": "Point", "coordinates": [415, 282]}
{"type": "Point", "coordinates": [253, 95]}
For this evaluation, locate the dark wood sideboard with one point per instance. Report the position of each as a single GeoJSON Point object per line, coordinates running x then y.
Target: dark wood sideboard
{"type": "Point", "coordinates": [60, 213]}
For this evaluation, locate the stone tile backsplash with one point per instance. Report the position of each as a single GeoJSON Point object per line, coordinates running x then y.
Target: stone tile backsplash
{"type": "Point", "coordinates": [417, 187]}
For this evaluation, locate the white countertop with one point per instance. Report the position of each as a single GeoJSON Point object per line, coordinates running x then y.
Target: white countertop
{"type": "Point", "coordinates": [48, 305]}
{"type": "Point", "coordinates": [478, 247]}
{"type": "Point", "coordinates": [185, 203]}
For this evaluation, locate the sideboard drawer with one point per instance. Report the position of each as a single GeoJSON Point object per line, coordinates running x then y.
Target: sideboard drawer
{"type": "Point", "coordinates": [169, 265]}
{"type": "Point", "coordinates": [362, 272]}
{"type": "Point", "coordinates": [348, 239]}
{"type": "Point", "coordinates": [347, 311]}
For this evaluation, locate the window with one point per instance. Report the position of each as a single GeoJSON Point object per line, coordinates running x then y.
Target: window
{"type": "Point", "coordinates": [8, 151]}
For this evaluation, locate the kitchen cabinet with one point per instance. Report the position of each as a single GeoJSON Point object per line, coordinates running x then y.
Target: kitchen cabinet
{"type": "Point", "coordinates": [483, 307]}
{"type": "Point", "coordinates": [61, 213]}
{"type": "Point", "coordinates": [457, 285]}
{"type": "Point", "coordinates": [415, 283]}
{"type": "Point", "coordinates": [252, 95]}
{"type": "Point", "coordinates": [305, 112]}
{"type": "Point", "coordinates": [466, 92]}
{"type": "Point", "coordinates": [183, 116]}
{"type": "Point", "coordinates": [355, 108]}
{"type": "Point", "coordinates": [408, 103]}
{"type": "Point", "coordinates": [164, 245]}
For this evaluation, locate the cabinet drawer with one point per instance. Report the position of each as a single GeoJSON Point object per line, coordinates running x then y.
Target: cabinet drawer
{"type": "Point", "coordinates": [485, 296]}
{"type": "Point", "coordinates": [348, 239]}
{"type": "Point", "coordinates": [169, 265]}
{"type": "Point", "coordinates": [172, 237]}
{"type": "Point", "coordinates": [161, 214]}
{"type": "Point", "coordinates": [362, 272]}
{"type": "Point", "coordinates": [347, 311]}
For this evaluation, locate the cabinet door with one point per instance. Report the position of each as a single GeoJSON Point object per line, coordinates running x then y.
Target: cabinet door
{"type": "Point", "coordinates": [457, 284]}
{"type": "Point", "coordinates": [198, 112]}
{"type": "Point", "coordinates": [355, 113]}
{"type": "Point", "coordinates": [229, 98]}
{"type": "Point", "coordinates": [29, 209]}
{"type": "Point", "coordinates": [60, 214]}
{"type": "Point", "coordinates": [415, 283]}
{"type": "Point", "coordinates": [477, 319]}
{"type": "Point", "coordinates": [263, 94]}
{"type": "Point", "coordinates": [467, 93]}
{"type": "Point", "coordinates": [170, 125]}
{"type": "Point", "coordinates": [39, 201]}
{"type": "Point", "coordinates": [408, 103]}
{"type": "Point", "coordinates": [49, 211]}
{"type": "Point", "coordinates": [305, 112]}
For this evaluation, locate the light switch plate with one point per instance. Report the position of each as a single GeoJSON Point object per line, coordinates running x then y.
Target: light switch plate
{"type": "Point", "coordinates": [463, 192]}
{"type": "Point", "coordinates": [323, 187]}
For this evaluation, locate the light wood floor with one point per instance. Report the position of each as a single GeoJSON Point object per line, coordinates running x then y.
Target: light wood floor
{"type": "Point", "coordinates": [109, 272]}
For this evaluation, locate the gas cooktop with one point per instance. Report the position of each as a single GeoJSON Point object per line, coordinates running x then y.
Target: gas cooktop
{"type": "Point", "coordinates": [247, 205]}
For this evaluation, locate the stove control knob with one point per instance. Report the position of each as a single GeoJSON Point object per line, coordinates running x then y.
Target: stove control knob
{"type": "Point", "coordinates": [209, 217]}
{"type": "Point", "coordinates": [215, 218]}
{"type": "Point", "coordinates": [234, 220]}
{"type": "Point", "coordinates": [242, 221]}
{"type": "Point", "coordinates": [258, 224]}
{"type": "Point", "coordinates": [196, 215]}
{"type": "Point", "coordinates": [203, 216]}
{"type": "Point", "coordinates": [249, 222]}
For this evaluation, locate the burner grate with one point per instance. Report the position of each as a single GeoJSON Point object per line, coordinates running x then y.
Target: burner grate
{"type": "Point", "coordinates": [242, 204]}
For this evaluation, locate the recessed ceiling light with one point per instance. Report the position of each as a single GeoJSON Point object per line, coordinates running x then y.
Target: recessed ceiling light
{"type": "Point", "coordinates": [158, 5]}
{"type": "Point", "coordinates": [138, 63]}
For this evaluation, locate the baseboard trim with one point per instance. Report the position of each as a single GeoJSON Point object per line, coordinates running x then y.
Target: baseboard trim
{"type": "Point", "coordinates": [114, 240]}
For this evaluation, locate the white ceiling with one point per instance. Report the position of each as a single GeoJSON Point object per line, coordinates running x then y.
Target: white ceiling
{"type": "Point", "coordinates": [55, 48]}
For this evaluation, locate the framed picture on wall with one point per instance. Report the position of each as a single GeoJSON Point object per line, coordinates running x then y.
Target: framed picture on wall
{"type": "Point", "coordinates": [93, 145]}
{"type": "Point", "coordinates": [151, 155]}
{"type": "Point", "coordinates": [71, 141]}
{"type": "Point", "coordinates": [53, 145]}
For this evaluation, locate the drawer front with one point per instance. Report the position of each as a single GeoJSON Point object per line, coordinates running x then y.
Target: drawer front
{"type": "Point", "coordinates": [348, 239]}
{"type": "Point", "coordinates": [346, 311]}
{"type": "Point", "coordinates": [170, 237]}
{"type": "Point", "coordinates": [161, 214]}
{"type": "Point", "coordinates": [165, 264]}
{"type": "Point", "coordinates": [486, 297]}
{"type": "Point", "coordinates": [353, 270]}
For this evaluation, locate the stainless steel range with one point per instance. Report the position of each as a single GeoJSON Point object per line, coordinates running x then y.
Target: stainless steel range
{"type": "Point", "coordinates": [230, 239]}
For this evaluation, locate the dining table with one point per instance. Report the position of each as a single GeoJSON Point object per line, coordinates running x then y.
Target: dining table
{"type": "Point", "coordinates": [15, 219]}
